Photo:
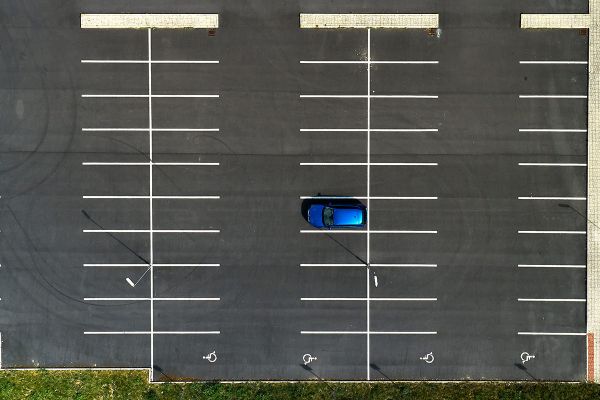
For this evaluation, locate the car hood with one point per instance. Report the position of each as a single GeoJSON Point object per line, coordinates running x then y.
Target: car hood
{"type": "Point", "coordinates": [315, 215]}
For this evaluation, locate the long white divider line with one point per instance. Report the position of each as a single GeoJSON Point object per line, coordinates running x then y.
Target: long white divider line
{"type": "Point", "coordinates": [147, 265]}
{"type": "Point", "coordinates": [365, 198]}
{"type": "Point", "coordinates": [151, 231]}
{"type": "Point", "coordinates": [146, 96]}
{"type": "Point", "coordinates": [552, 96]}
{"type": "Point", "coordinates": [151, 299]}
{"type": "Point", "coordinates": [369, 332]}
{"type": "Point", "coordinates": [553, 198]}
{"type": "Point", "coordinates": [368, 298]}
{"type": "Point", "coordinates": [156, 197]}
{"type": "Point", "coordinates": [149, 61]}
{"type": "Point", "coordinates": [553, 164]}
{"type": "Point", "coordinates": [364, 231]}
{"type": "Point", "coordinates": [553, 333]}
{"type": "Point", "coordinates": [367, 62]}
{"type": "Point", "coordinates": [147, 130]}
{"type": "Point", "coordinates": [362, 96]}
{"type": "Point", "coordinates": [552, 62]}
{"type": "Point", "coordinates": [556, 300]}
{"type": "Point", "coordinates": [150, 163]}
{"type": "Point", "coordinates": [555, 232]}
{"type": "Point", "coordinates": [154, 332]}
{"type": "Point", "coordinates": [367, 164]}
{"type": "Point", "coordinates": [554, 130]}
{"type": "Point", "coordinates": [365, 130]}
{"type": "Point", "coordinates": [552, 266]}
{"type": "Point", "coordinates": [373, 265]}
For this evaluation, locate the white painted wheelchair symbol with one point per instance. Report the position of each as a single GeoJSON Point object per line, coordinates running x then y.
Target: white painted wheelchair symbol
{"type": "Point", "coordinates": [525, 356]}
{"type": "Point", "coordinates": [211, 357]}
{"type": "Point", "coordinates": [307, 358]}
{"type": "Point", "coordinates": [428, 358]}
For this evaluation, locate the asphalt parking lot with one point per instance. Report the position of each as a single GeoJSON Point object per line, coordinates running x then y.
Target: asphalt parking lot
{"type": "Point", "coordinates": [474, 178]}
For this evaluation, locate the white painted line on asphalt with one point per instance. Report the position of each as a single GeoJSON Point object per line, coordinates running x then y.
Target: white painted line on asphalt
{"type": "Point", "coordinates": [147, 129]}
{"type": "Point", "coordinates": [152, 298]}
{"type": "Point", "coordinates": [371, 197]}
{"type": "Point", "coordinates": [150, 163]}
{"type": "Point", "coordinates": [555, 130]}
{"type": "Point", "coordinates": [553, 333]}
{"type": "Point", "coordinates": [149, 62]}
{"type": "Point", "coordinates": [155, 265]}
{"type": "Point", "coordinates": [366, 164]}
{"type": "Point", "coordinates": [552, 96]}
{"type": "Point", "coordinates": [363, 96]}
{"type": "Point", "coordinates": [153, 332]}
{"type": "Point", "coordinates": [553, 198]}
{"type": "Point", "coordinates": [555, 232]}
{"type": "Point", "coordinates": [404, 265]}
{"type": "Point", "coordinates": [149, 21]}
{"type": "Point", "coordinates": [551, 266]}
{"type": "Point", "coordinates": [555, 300]}
{"type": "Point", "coordinates": [552, 62]}
{"type": "Point", "coordinates": [187, 265]}
{"type": "Point", "coordinates": [116, 265]}
{"type": "Point", "coordinates": [553, 164]}
{"type": "Point", "coordinates": [365, 130]}
{"type": "Point", "coordinates": [153, 230]}
{"type": "Point", "coordinates": [333, 265]}
{"type": "Point", "coordinates": [156, 197]}
{"type": "Point", "coordinates": [364, 21]}
{"type": "Point", "coordinates": [366, 62]}
{"type": "Point", "coordinates": [370, 332]}
{"type": "Point", "coordinates": [361, 231]}
{"type": "Point", "coordinates": [368, 298]}
{"type": "Point", "coordinates": [146, 96]}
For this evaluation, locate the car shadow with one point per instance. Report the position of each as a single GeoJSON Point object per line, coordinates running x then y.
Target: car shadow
{"type": "Point", "coordinates": [324, 199]}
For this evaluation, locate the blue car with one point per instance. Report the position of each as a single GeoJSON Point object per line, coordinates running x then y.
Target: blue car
{"type": "Point", "coordinates": [337, 216]}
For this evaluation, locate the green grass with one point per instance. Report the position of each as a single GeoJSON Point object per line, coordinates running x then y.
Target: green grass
{"type": "Point", "coordinates": [133, 385]}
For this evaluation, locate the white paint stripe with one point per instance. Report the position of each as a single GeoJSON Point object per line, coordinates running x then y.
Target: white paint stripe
{"type": "Point", "coordinates": [366, 164]}
{"type": "Point", "coordinates": [153, 129]}
{"type": "Point", "coordinates": [333, 265]}
{"type": "Point", "coordinates": [149, 62]}
{"type": "Point", "coordinates": [368, 299]}
{"type": "Point", "coordinates": [362, 231]}
{"type": "Point", "coordinates": [151, 204]}
{"type": "Point", "coordinates": [365, 130]}
{"type": "Point", "coordinates": [116, 265]}
{"type": "Point", "coordinates": [152, 298]}
{"type": "Point", "coordinates": [551, 266]}
{"type": "Point", "coordinates": [554, 198]}
{"type": "Point", "coordinates": [555, 21]}
{"type": "Point", "coordinates": [554, 130]}
{"type": "Point", "coordinates": [155, 265]}
{"type": "Point", "coordinates": [146, 96]}
{"type": "Point", "coordinates": [553, 333]}
{"type": "Point", "coordinates": [154, 332]}
{"type": "Point", "coordinates": [552, 96]}
{"type": "Point", "coordinates": [156, 197]}
{"type": "Point", "coordinates": [365, 198]}
{"type": "Point", "coordinates": [555, 300]}
{"type": "Point", "coordinates": [555, 232]}
{"type": "Point", "coordinates": [368, 270]}
{"type": "Point", "coordinates": [149, 163]}
{"type": "Point", "coordinates": [552, 62]}
{"type": "Point", "coordinates": [404, 265]}
{"type": "Point", "coordinates": [362, 96]}
{"type": "Point", "coordinates": [187, 265]}
{"type": "Point", "coordinates": [149, 21]}
{"type": "Point", "coordinates": [370, 332]}
{"type": "Point", "coordinates": [154, 230]}
{"type": "Point", "coordinates": [363, 21]}
{"type": "Point", "coordinates": [554, 164]}
{"type": "Point", "coordinates": [365, 62]}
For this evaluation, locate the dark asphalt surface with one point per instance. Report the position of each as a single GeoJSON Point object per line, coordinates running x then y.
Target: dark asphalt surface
{"type": "Point", "coordinates": [259, 147]}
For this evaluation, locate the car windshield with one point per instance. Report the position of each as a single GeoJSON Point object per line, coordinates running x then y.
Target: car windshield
{"type": "Point", "coordinates": [328, 216]}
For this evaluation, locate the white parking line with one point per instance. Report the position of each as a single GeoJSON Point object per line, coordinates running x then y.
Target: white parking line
{"type": "Point", "coordinates": [369, 332]}
{"type": "Point", "coordinates": [553, 333]}
{"type": "Point", "coordinates": [555, 232]}
{"type": "Point", "coordinates": [551, 266]}
{"type": "Point", "coordinates": [365, 130]}
{"type": "Point", "coordinates": [555, 130]}
{"type": "Point", "coordinates": [152, 298]}
{"type": "Point", "coordinates": [364, 164]}
{"type": "Point", "coordinates": [555, 300]}
{"type": "Point", "coordinates": [368, 298]}
{"type": "Point", "coordinates": [553, 198]}
{"type": "Point", "coordinates": [360, 231]}
{"type": "Point", "coordinates": [151, 230]}
{"type": "Point", "coordinates": [364, 96]}
{"type": "Point", "coordinates": [365, 198]}
{"type": "Point", "coordinates": [552, 96]}
{"type": "Point", "coordinates": [155, 265]}
{"type": "Point", "coordinates": [149, 61]}
{"type": "Point", "coordinates": [156, 197]}
{"type": "Point", "coordinates": [147, 129]}
{"type": "Point", "coordinates": [367, 62]}
{"type": "Point", "coordinates": [553, 164]}
{"type": "Point", "coordinates": [552, 62]}
{"type": "Point", "coordinates": [153, 332]}
{"type": "Point", "coordinates": [150, 163]}
{"type": "Point", "coordinates": [146, 96]}
{"type": "Point", "coordinates": [372, 265]}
